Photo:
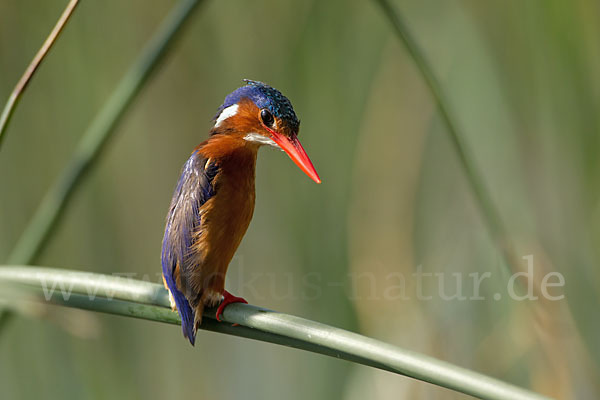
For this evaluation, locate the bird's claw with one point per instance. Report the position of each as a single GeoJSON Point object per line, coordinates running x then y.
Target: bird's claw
{"type": "Point", "coordinates": [228, 298]}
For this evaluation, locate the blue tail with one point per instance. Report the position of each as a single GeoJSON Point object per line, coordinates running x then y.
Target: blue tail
{"type": "Point", "coordinates": [183, 308]}
{"type": "Point", "coordinates": [185, 312]}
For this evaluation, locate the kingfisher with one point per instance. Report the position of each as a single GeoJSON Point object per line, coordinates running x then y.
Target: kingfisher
{"type": "Point", "coordinates": [214, 198]}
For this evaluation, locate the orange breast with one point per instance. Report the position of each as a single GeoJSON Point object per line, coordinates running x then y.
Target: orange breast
{"type": "Point", "coordinates": [224, 220]}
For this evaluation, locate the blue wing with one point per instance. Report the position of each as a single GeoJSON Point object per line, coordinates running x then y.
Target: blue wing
{"type": "Point", "coordinates": [194, 188]}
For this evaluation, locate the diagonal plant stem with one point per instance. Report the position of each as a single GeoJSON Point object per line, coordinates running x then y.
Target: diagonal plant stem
{"type": "Point", "coordinates": [139, 299]}
{"type": "Point", "coordinates": [15, 96]}
{"type": "Point", "coordinates": [490, 213]}
{"type": "Point", "coordinates": [482, 196]}
{"type": "Point", "coordinates": [46, 217]}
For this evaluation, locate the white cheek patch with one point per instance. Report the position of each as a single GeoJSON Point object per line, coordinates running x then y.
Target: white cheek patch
{"type": "Point", "coordinates": [255, 137]}
{"type": "Point", "coordinates": [227, 113]}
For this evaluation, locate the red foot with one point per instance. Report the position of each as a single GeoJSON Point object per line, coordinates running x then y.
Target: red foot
{"type": "Point", "coordinates": [228, 298]}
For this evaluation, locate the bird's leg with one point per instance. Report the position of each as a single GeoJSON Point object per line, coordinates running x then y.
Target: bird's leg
{"type": "Point", "coordinates": [228, 298]}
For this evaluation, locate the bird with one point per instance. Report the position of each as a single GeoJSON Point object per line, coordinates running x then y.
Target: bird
{"type": "Point", "coordinates": [213, 201]}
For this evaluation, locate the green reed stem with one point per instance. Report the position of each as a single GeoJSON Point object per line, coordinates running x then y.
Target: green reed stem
{"type": "Point", "coordinates": [482, 196]}
{"type": "Point", "coordinates": [47, 216]}
{"type": "Point", "coordinates": [133, 298]}
{"type": "Point", "coordinates": [17, 92]}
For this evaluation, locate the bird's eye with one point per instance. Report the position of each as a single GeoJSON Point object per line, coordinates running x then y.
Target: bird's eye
{"type": "Point", "coordinates": [266, 117]}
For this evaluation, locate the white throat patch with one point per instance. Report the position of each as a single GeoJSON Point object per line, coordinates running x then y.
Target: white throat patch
{"type": "Point", "coordinates": [255, 137]}
{"type": "Point", "coordinates": [227, 113]}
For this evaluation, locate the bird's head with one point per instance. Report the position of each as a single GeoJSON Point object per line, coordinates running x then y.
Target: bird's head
{"type": "Point", "coordinates": [262, 115]}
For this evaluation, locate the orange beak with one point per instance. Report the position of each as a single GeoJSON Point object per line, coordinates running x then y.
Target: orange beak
{"type": "Point", "coordinates": [293, 148]}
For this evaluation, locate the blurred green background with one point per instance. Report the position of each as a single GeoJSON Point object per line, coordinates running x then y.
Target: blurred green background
{"type": "Point", "coordinates": [523, 79]}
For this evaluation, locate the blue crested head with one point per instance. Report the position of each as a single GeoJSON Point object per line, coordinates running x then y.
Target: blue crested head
{"type": "Point", "coordinates": [265, 97]}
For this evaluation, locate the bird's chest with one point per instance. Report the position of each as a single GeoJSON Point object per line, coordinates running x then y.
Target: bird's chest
{"type": "Point", "coordinates": [232, 206]}
{"type": "Point", "coordinates": [226, 216]}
